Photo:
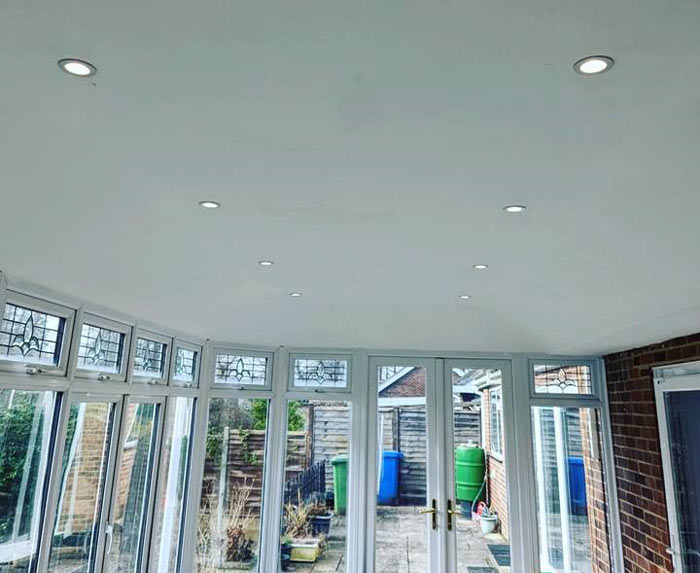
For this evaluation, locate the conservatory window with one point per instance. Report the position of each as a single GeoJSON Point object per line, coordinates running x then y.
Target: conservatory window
{"type": "Point", "coordinates": [233, 369]}
{"type": "Point", "coordinates": [151, 356]}
{"type": "Point", "coordinates": [496, 420]}
{"type": "Point", "coordinates": [101, 349]}
{"type": "Point", "coordinates": [230, 515]}
{"type": "Point", "coordinates": [185, 368]}
{"type": "Point", "coordinates": [327, 373]}
{"type": "Point", "coordinates": [26, 420]}
{"type": "Point", "coordinates": [562, 379]}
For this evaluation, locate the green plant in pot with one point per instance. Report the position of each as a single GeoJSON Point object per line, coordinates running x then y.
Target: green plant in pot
{"type": "Point", "coordinates": [297, 521]}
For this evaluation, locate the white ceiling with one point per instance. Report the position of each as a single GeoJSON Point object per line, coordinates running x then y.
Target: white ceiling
{"type": "Point", "coordinates": [368, 149]}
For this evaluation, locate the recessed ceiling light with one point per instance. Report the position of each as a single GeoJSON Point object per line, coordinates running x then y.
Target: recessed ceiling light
{"type": "Point", "coordinates": [78, 68]}
{"type": "Point", "coordinates": [464, 296]}
{"type": "Point", "coordinates": [514, 208]}
{"type": "Point", "coordinates": [266, 263]}
{"type": "Point", "coordinates": [209, 204]}
{"type": "Point", "coordinates": [593, 65]}
{"type": "Point", "coordinates": [295, 294]}
{"type": "Point", "coordinates": [481, 267]}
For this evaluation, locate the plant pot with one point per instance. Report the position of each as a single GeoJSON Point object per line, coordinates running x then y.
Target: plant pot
{"type": "Point", "coordinates": [489, 523]}
{"type": "Point", "coordinates": [233, 566]}
{"type": "Point", "coordinates": [305, 550]}
{"type": "Point", "coordinates": [285, 555]}
{"type": "Point", "coordinates": [321, 524]}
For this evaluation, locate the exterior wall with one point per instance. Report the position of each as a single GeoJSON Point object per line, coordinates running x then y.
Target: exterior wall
{"type": "Point", "coordinates": [637, 450]}
{"type": "Point", "coordinates": [595, 493]}
{"type": "Point", "coordinates": [409, 386]}
{"type": "Point", "coordinates": [496, 470]}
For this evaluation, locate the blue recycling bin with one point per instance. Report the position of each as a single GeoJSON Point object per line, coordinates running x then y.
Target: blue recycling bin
{"type": "Point", "coordinates": [577, 485]}
{"type": "Point", "coordinates": [389, 478]}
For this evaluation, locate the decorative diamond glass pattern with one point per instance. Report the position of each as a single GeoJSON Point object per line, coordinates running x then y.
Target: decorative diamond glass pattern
{"type": "Point", "coordinates": [185, 369]}
{"type": "Point", "coordinates": [562, 379]}
{"type": "Point", "coordinates": [30, 335]}
{"type": "Point", "coordinates": [320, 373]}
{"type": "Point", "coordinates": [149, 357]}
{"type": "Point", "coordinates": [238, 369]}
{"type": "Point", "coordinates": [100, 349]}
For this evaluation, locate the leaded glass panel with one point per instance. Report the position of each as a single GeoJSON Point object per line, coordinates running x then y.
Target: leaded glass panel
{"type": "Point", "coordinates": [100, 349]}
{"type": "Point", "coordinates": [320, 373]}
{"type": "Point", "coordinates": [149, 357]}
{"type": "Point", "coordinates": [30, 335]}
{"type": "Point", "coordinates": [185, 368]}
{"type": "Point", "coordinates": [239, 369]}
{"type": "Point", "coordinates": [563, 379]}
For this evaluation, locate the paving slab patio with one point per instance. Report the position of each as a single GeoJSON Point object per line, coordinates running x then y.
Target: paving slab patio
{"type": "Point", "coordinates": [402, 545]}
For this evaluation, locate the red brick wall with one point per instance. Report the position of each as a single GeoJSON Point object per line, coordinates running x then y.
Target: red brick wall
{"type": "Point", "coordinates": [637, 451]}
{"type": "Point", "coordinates": [496, 482]}
{"type": "Point", "coordinates": [409, 386]}
{"type": "Point", "coordinates": [596, 500]}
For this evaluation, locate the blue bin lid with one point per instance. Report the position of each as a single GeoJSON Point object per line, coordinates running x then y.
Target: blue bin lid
{"type": "Point", "coordinates": [392, 454]}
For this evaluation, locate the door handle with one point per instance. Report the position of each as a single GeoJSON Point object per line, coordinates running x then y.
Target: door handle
{"type": "Point", "coordinates": [109, 532]}
{"type": "Point", "coordinates": [432, 511]}
{"type": "Point", "coordinates": [450, 513]}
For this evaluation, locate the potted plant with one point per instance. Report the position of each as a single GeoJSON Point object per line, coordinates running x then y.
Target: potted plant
{"type": "Point", "coordinates": [489, 521]}
{"type": "Point", "coordinates": [285, 552]}
{"type": "Point", "coordinates": [321, 518]}
{"type": "Point", "coordinates": [297, 519]}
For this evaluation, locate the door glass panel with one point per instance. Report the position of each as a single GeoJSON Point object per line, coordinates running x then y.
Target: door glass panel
{"type": "Point", "coordinates": [132, 487]}
{"type": "Point", "coordinates": [175, 477]}
{"type": "Point", "coordinates": [228, 537]}
{"type": "Point", "coordinates": [401, 532]}
{"type": "Point", "coordinates": [84, 465]}
{"type": "Point", "coordinates": [315, 486]}
{"type": "Point", "coordinates": [684, 436]}
{"type": "Point", "coordinates": [25, 436]}
{"type": "Point", "coordinates": [482, 525]}
{"type": "Point", "coordinates": [571, 493]}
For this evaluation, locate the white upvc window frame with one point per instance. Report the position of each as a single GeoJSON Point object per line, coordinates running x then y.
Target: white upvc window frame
{"type": "Point", "coordinates": [151, 379]}
{"type": "Point", "coordinates": [597, 383]}
{"type": "Point", "coordinates": [499, 452]}
{"type": "Point", "coordinates": [198, 349]}
{"type": "Point", "coordinates": [88, 318]}
{"type": "Point", "coordinates": [242, 352]}
{"type": "Point", "coordinates": [338, 356]}
{"type": "Point", "coordinates": [597, 400]}
{"type": "Point", "coordinates": [43, 306]}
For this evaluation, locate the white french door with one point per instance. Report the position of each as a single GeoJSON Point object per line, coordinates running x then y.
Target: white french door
{"type": "Point", "coordinates": [678, 402]}
{"type": "Point", "coordinates": [428, 413]}
{"type": "Point", "coordinates": [477, 392]}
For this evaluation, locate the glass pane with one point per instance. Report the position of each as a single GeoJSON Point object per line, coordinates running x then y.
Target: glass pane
{"type": "Point", "coordinates": [562, 379]}
{"type": "Point", "coordinates": [234, 369]}
{"type": "Point", "coordinates": [480, 470]}
{"type": "Point", "coordinates": [100, 349]}
{"type": "Point", "coordinates": [684, 436]}
{"type": "Point", "coordinates": [315, 373]}
{"type": "Point", "coordinates": [25, 439]}
{"type": "Point", "coordinates": [74, 540]}
{"type": "Point", "coordinates": [571, 491]}
{"type": "Point", "coordinates": [186, 364]}
{"type": "Point", "coordinates": [132, 487]}
{"type": "Point", "coordinates": [30, 336]}
{"type": "Point", "coordinates": [175, 477]}
{"type": "Point", "coordinates": [149, 358]}
{"type": "Point", "coordinates": [315, 486]}
{"type": "Point", "coordinates": [401, 540]}
{"type": "Point", "coordinates": [228, 535]}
